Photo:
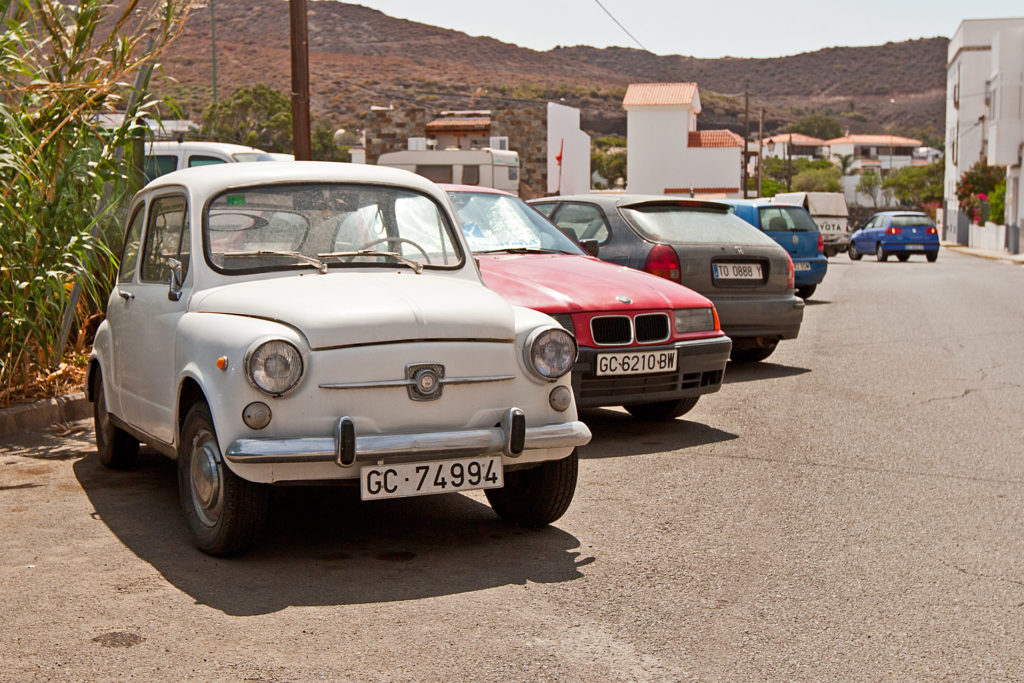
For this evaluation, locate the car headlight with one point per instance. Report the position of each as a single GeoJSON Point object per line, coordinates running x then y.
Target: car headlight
{"type": "Point", "coordinates": [695, 320]}
{"type": "Point", "coordinates": [274, 367]}
{"type": "Point", "coordinates": [550, 352]}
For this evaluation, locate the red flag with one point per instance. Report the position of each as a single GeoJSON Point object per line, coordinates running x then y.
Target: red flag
{"type": "Point", "coordinates": [561, 146]}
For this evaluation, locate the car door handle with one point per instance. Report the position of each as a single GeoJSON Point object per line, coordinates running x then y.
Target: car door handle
{"type": "Point", "coordinates": [127, 296]}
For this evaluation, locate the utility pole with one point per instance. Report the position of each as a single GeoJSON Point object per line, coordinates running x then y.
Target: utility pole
{"type": "Point", "coordinates": [301, 146]}
{"type": "Point", "coordinates": [746, 136]}
{"type": "Point", "coordinates": [789, 170]}
{"type": "Point", "coordinates": [213, 50]}
{"type": "Point", "coordinates": [760, 149]}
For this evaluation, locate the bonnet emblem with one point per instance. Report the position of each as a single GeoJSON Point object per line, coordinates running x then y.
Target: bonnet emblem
{"type": "Point", "coordinates": [623, 299]}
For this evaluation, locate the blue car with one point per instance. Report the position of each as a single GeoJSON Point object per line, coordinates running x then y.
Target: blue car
{"type": "Point", "coordinates": [794, 229]}
{"type": "Point", "coordinates": [896, 232]}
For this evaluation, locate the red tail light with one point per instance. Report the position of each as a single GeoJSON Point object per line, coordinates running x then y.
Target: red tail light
{"type": "Point", "coordinates": [893, 231]}
{"type": "Point", "coordinates": [718, 324]}
{"type": "Point", "coordinates": [791, 280]}
{"type": "Point", "coordinates": [821, 243]}
{"type": "Point", "coordinates": [663, 262]}
{"type": "Point", "coordinates": [932, 230]}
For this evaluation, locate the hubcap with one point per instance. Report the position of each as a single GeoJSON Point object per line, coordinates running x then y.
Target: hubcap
{"type": "Point", "coordinates": [206, 482]}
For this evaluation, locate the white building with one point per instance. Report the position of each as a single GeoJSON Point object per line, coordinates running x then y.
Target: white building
{"type": "Point", "coordinates": [794, 146]}
{"type": "Point", "coordinates": [666, 154]}
{"type": "Point", "coordinates": [882, 153]}
{"type": "Point", "coordinates": [568, 151]}
{"type": "Point", "coordinates": [982, 52]}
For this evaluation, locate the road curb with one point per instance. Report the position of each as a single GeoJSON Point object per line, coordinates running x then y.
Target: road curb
{"type": "Point", "coordinates": [40, 414]}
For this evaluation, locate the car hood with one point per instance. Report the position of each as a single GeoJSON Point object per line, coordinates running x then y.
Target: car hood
{"type": "Point", "coordinates": [344, 309]}
{"type": "Point", "coordinates": [564, 283]}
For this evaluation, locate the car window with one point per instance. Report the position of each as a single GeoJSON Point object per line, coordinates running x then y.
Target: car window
{"type": "Point", "coordinates": [912, 221]}
{"type": "Point", "coordinates": [203, 160]}
{"type": "Point", "coordinates": [681, 223]}
{"type": "Point", "coordinates": [584, 221]}
{"type": "Point", "coordinates": [471, 175]}
{"type": "Point", "coordinates": [167, 237]}
{"type": "Point", "coordinates": [545, 207]}
{"type": "Point", "coordinates": [786, 219]}
{"type": "Point", "coordinates": [160, 164]}
{"type": "Point", "coordinates": [496, 222]}
{"type": "Point", "coordinates": [130, 252]}
{"type": "Point", "coordinates": [272, 227]}
{"type": "Point", "coordinates": [439, 173]}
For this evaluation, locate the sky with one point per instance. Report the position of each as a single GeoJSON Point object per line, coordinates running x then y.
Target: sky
{"type": "Point", "coordinates": [722, 28]}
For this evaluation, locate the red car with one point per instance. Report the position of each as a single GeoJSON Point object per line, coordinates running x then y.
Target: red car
{"type": "Point", "coordinates": [645, 343]}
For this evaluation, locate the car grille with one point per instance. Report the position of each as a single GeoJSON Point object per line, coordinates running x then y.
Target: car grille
{"type": "Point", "coordinates": [648, 328]}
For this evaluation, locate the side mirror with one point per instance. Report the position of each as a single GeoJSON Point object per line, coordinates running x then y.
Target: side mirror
{"type": "Point", "coordinates": [592, 247]}
{"type": "Point", "coordinates": [174, 291]}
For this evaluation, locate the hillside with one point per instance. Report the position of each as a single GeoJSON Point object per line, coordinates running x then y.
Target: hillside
{"type": "Point", "coordinates": [361, 57]}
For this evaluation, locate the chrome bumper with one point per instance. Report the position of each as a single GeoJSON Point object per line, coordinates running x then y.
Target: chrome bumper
{"type": "Point", "coordinates": [397, 447]}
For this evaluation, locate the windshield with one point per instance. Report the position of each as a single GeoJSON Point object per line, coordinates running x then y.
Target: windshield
{"type": "Point", "coordinates": [786, 219]}
{"type": "Point", "coordinates": [688, 224]}
{"type": "Point", "coordinates": [912, 221]}
{"type": "Point", "coordinates": [498, 222]}
{"type": "Point", "coordinates": [293, 226]}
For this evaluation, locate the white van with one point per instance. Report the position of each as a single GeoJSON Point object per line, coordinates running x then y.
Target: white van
{"type": "Point", "coordinates": [495, 168]}
{"type": "Point", "coordinates": [828, 209]}
{"type": "Point", "coordinates": [166, 156]}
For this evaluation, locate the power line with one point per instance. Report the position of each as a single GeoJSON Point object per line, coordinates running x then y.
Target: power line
{"type": "Point", "coordinates": [619, 24]}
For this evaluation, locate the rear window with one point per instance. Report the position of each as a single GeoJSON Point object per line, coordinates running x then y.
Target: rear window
{"type": "Point", "coordinates": [911, 221]}
{"type": "Point", "coordinates": [786, 219]}
{"type": "Point", "coordinates": [676, 223]}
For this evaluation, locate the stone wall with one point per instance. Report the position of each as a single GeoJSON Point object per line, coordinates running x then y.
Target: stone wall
{"type": "Point", "coordinates": [389, 130]}
{"type": "Point", "coordinates": [526, 126]}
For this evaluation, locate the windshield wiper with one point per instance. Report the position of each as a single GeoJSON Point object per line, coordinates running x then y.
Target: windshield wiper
{"type": "Point", "coordinates": [310, 260]}
{"type": "Point", "coordinates": [415, 265]}
{"type": "Point", "coordinates": [520, 250]}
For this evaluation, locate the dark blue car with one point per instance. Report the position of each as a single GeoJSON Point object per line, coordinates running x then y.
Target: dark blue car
{"type": "Point", "coordinates": [794, 229]}
{"type": "Point", "coordinates": [896, 232]}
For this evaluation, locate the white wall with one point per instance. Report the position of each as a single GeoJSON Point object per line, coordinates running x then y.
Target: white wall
{"type": "Point", "coordinates": [657, 139]}
{"type": "Point", "coordinates": [708, 167]}
{"type": "Point", "coordinates": [564, 134]}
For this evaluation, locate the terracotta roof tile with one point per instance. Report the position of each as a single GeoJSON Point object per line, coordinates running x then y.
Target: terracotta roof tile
{"type": "Point", "coordinates": [458, 123]}
{"type": "Point", "coordinates": [883, 140]}
{"type": "Point", "coordinates": [659, 94]}
{"type": "Point", "coordinates": [798, 139]}
{"type": "Point", "coordinates": [715, 138]}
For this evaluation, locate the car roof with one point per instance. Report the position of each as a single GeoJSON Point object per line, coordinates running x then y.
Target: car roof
{"type": "Point", "coordinates": [620, 199]}
{"type": "Point", "coordinates": [902, 213]}
{"type": "Point", "coordinates": [198, 146]}
{"type": "Point", "coordinates": [215, 178]}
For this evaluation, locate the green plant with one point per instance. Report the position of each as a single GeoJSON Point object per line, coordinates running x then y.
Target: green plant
{"type": "Point", "coordinates": [62, 174]}
{"type": "Point", "coordinates": [997, 203]}
{"type": "Point", "coordinates": [870, 183]}
{"type": "Point", "coordinates": [975, 186]}
{"type": "Point", "coordinates": [916, 186]}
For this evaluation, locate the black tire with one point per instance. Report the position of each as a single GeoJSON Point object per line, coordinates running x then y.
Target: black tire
{"type": "Point", "coordinates": [225, 514]}
{"type": "Point", "coordinates": [932, 256]}
{"type": "Point", "coordinates": [117, 449]}
{"type": "Point", "coordinates": [853, 253]}
{"type": "Point", "coordinates": [662, 410]}
{"type": "Point", "coordinates": [805, 291]}
{"type": "Point", "coordinates": [902, 257]}
{"type": "Point", "coordinates": [537, 496]}
{"type": "Point", "coordinates": [880, 253]}
{"type": "Point", "coordinates": [752, 354]}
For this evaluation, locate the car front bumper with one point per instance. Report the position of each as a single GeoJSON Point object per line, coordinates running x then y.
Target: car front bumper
{"type": "Point", "coordinates": [700, 366]}
{"type": "Point", "coordinates": [346, 450]}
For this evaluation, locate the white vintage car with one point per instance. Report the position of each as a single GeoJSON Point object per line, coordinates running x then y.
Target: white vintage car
{"type": "Point", "coordinates": [291, 322]}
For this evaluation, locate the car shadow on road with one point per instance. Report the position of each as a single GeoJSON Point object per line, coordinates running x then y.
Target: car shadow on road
{"type": "Point", "coordinates": [750, 372]}
{"type": "Point", "coordinates": [326, 547]}
{"type": "Point", "coordinates": [617, 433]}
{"type": "Point", "coordinates": [817, 302]}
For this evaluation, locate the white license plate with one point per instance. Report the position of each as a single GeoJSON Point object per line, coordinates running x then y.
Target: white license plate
{"type": "Point", "coordinates": [638, 363]}
{"type": "Point", "coordinates": [402, 480]}
{"type": "Point", "coordinates": [801, 265]}
{"type": "Point", "coordinates": [737, 271]}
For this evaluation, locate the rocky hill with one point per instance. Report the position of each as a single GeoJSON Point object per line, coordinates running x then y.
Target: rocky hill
{"type": "Point", "coordinates": [361, 57]}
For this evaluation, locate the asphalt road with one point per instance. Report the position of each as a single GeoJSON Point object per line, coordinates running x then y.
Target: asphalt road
{"type": "Point", "coordinates": [851, 509]}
